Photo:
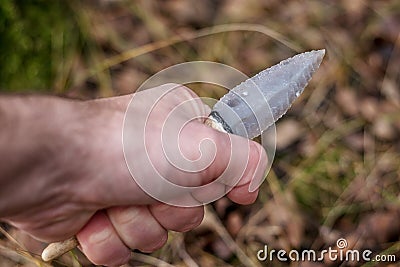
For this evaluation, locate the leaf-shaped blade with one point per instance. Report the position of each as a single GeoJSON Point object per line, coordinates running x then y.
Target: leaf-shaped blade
{"type": "Point", "coordinates": [252, 106]}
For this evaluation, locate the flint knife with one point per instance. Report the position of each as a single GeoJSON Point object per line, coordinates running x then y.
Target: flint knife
{"type": "Point", "coordinates": [255, 104]}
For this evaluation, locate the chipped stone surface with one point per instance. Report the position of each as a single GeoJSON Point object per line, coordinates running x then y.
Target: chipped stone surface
{"type": "Point", "coordinates": [255, 104]}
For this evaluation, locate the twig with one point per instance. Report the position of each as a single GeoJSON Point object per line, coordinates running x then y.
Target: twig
{"type": "Point", "coordinates": [135, 52]}
{"type": "Point", "coordinates": [180, 247]}
{"type": "Point", "coordinates": [215, 223]}
{"type": "Point", "coordinates": [149, 260]}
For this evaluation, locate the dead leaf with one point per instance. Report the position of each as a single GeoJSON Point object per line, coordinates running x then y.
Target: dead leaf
{"type": "Point", "coordinates": [347, 101]}
{"type": "Point", "coordinates": [383, 129]}
{"type": "Point", "coordinates": [287, 132]}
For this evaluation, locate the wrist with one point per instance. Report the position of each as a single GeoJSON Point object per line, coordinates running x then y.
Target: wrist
{"type": "Point", "coordinates": [32, 149]}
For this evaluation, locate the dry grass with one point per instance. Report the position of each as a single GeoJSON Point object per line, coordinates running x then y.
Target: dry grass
{"type": "Point", "coordinates": [337, 176]}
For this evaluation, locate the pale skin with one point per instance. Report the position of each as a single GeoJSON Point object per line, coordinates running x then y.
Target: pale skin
{"type": "Point", "coordinates": [63, 173]}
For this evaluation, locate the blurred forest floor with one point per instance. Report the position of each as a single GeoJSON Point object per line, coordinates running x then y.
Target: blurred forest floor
{"type": "Point", "coordinates": [336, 170]}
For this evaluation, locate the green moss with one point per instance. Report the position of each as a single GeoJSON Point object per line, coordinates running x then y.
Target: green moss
{"type": "Point", "coordinates": [34, 35]}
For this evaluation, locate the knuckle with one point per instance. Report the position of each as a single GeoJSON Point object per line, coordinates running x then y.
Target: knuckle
{"type": "Point", "coordinates": [106, 253]}
{"type": "Point", "coordinates": [177, 87]}
{"type": "Point", "coordinates": [181, 90]}
{"type": "Point", "coordinates": [100, 237]}
{"type": "Point", "coordinates": [124, 216]}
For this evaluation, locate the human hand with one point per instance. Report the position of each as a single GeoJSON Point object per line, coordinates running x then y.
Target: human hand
{"type": "Point", "coordinates": [96, 197]}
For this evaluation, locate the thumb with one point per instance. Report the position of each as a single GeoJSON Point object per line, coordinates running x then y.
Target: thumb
{"type": "Point", "coordinates": [237, 161]}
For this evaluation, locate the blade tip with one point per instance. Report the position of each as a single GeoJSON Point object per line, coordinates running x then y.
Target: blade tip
{"type": "Point", "coordinates": [320, 52]}
{"type": "Point", "coordinates": [318, 55]}
{"type": "Point", "coordinates": [314, 55]}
